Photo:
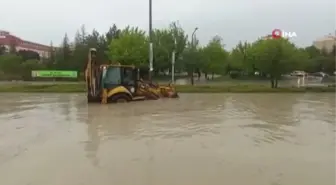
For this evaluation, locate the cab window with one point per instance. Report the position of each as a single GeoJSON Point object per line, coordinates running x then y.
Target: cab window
{"type": "Point", "coordinates": [112, 76]}
{"type": "Point", "coordinates": [128, 76]}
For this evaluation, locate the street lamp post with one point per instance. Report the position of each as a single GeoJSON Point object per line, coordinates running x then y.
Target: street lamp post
{"type": "Point", "coordinates": [193, 48]}
{"type": "Point", "coordinates": [193, 37]}
{"type": "Point", "coordinates": [150, 42]}
{"type": "Point", "coordinates": [173, 62]}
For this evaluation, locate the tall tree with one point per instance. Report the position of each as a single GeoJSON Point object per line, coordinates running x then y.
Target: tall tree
{"type": "Point", "coordinates": [312, 51]}
{"type": "Point", "coordinates": [275, 57]}
{"type": "Point", "coordinates": [181, 39]}
{"type": "Point", "coordinates": [130, 48]}
{"type": "Point", "coordinates": [239, 60]}
{"type": "Point", "coordinates": [10, 64]}
{"type": "Point", "coordinates": [163, 44]}
{"type": "Point", "coordinates": [83, 34]}
{"type": "Point", "coordinates": [214, 57]}
{"type": "Point", "coordinates": [63, 55]}
{"type": "Point", "coordinates": [112, 33]}
{"type": "Point", "coordinates": [52, 53]}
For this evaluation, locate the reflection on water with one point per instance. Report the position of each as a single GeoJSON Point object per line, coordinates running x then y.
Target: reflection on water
{"type": "Point", "coordinates": [256, 139]}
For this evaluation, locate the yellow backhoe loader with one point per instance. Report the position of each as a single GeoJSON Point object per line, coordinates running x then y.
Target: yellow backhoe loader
{"type": "Point", "coordinates": [120, 83]}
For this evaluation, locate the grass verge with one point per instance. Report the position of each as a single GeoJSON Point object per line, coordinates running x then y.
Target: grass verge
{"type": "Point", "coordinates": [80, 87]}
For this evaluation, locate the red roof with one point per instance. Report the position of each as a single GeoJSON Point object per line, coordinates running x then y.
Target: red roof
{"type": "Point", "coordinates": [7, 39]}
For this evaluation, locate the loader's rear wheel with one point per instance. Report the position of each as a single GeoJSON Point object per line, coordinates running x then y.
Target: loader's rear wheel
{"type": "Point", "coordinates": [120, 98]}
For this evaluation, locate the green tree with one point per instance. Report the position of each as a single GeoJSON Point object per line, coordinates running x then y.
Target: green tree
{"type": "Point", "coordinates": [239, 58]}
{"type": "Point", "coordinates": [181, 39]}
{"type": "Point", "coordinates": [327, 63]}
{"type": "Point", "coordinates": [79, 54]}
{"type": "Point", "coordinates": [28, 66]}
{"type": "Point", "coordinates": [112, 33]}
{"type": "Point", "coordinates": [214, 57]}
{"type": "Point", "coordinates": [130, 48]}
{"type": "Point", "coordinates": [10, 64]}
{"type": "Point", "coordinates": [163, 45]}
{"type": "Point", "coordinates": [105, 40]}
{"type": "Point", "coordinates": [192, 59]}
{"type": "Point", "coordinates": [313, 65]}
{"type": "Point", "coordinates": [64, 55]}
{"type": "Point", "coordinates": [312, 51]}
{"type": "Point", "coordinates": [274, 57]}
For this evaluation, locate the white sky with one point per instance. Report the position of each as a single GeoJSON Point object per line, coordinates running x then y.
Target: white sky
{"type": "Point", "coordinates": [45, 20]}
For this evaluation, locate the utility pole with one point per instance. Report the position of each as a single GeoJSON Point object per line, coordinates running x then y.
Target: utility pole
{"type": "Point", "coordinates": [173, 62]}
{"type": "Point", "coordinates": [150, 42]}
{"type": "Point", "coordinates": [193, 49]}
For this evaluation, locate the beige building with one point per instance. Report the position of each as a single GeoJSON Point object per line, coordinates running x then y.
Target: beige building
{"type": "Point", "coordinates": [267, 37]}
{"type": "Point", "coordinates": [326, 42]}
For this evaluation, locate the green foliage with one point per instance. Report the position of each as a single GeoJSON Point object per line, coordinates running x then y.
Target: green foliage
{"type": "Point", "coordinates": [274, 56]}
{"type": "Point", "coordinates": [191, 59]}
{"type": "Point", "coordinates": [214, 57]}
{"type": "Point", "coordinates": [14, 67]}
{"type": "Point", "coordinates": [28, 66]}
{"type": "Point", "coordinates": [130, 48]}
{"type": "Point", "coordinates": [163, 44]}
{"type": "Point", "coordinates": [312, 51]}
{"type": "Point", "coordinates": [238, 59]}
{"type": "Point", "coordinates": [10, 64]}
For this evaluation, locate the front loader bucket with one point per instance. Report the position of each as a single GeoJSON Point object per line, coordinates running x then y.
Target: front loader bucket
{"type": "Point", "coordinates": [168, 91]}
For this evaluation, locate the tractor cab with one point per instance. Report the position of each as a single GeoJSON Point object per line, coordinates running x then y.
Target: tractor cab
{"type": "Point", "coordinates": [117, 75]}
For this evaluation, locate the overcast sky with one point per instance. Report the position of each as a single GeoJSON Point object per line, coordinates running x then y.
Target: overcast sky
{"type": "Point", "coordinates": [45, 20]}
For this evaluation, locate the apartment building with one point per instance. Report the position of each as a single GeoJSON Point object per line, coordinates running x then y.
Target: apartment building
{"type": "Point", "coordinates": [327, 42]}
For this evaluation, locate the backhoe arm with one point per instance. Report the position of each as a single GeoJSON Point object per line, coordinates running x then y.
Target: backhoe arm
{"type": "Point", "coordinates": [90, 75]}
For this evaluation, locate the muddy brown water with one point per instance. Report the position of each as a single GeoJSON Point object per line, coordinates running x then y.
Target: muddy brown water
{"type": "Point", "coordinates": [199, 139]}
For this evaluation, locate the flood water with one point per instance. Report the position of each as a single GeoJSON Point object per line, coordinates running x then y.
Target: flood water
{"type": "Point", "coordinates": [199, 139]}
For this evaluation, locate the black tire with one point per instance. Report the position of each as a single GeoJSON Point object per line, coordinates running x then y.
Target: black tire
{"type": "Point", "coordinates": [119, 98]}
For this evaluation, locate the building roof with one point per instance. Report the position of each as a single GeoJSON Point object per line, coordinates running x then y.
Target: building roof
{"type": "Point", "coordinates": [329, 37]}
{"type": "Point", "coordinates": [6, 38]}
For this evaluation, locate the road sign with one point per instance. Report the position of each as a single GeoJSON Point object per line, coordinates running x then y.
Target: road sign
{"type": "Point", "coordinates": [54, 74]}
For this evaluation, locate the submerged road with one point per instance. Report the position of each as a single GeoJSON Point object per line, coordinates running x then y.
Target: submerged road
{"type": "Point", "coordinates": [199, 139]}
